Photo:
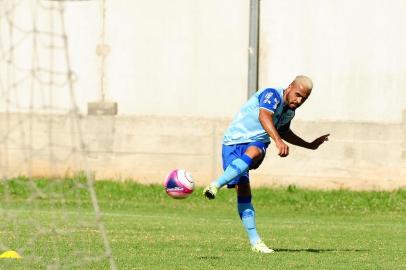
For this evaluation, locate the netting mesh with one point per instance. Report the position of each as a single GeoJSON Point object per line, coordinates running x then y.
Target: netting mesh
{"type": "Point", "coordinates": [55, 222]}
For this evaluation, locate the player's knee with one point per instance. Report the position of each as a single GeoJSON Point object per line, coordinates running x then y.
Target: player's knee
{"type": "Point", "coordinates": [256, 155]}
{"type": "Point", "coordinates": [253, 152]}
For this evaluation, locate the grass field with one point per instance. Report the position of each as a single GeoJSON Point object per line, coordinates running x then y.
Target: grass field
{"type": "Point", "coordinates": [53, 225]}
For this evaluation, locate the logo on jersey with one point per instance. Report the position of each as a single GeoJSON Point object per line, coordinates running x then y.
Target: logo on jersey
{"type": "Point", "coordinates": [275, 100]}
{"type": "Point", "coordinates": [267, 98]}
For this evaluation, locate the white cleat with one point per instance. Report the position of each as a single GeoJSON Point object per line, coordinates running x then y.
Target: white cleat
{"type": "Point", "coordinates": [260, 247]}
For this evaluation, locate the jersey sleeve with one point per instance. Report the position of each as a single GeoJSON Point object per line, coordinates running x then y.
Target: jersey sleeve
{"type": "Point", "coordinates": [269, 100]}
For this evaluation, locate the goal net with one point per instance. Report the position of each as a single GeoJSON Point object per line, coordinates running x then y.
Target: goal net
{"type": "Point", "coordinates": [48, 214]}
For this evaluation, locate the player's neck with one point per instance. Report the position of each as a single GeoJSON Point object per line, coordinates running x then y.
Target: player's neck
{"type": "Point", "coordinates": [285, 93]}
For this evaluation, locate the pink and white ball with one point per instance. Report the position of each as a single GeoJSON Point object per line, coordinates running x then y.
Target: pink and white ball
{"type": "Point", "coordinates": [179, 184]}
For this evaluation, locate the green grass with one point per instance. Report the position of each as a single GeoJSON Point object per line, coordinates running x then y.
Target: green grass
{"type": "Point", "coordinates": [52, 223]}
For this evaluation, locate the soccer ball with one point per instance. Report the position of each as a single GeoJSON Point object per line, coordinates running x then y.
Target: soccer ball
{"type": "Point", "coordinates": [179, 184]}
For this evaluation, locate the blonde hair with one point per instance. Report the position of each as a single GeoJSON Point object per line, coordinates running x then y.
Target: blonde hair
{"type": "Point", "coordinates": [304, 81]}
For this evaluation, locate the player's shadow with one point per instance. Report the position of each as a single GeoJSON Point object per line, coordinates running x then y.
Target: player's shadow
{"type": "Point", "coordinates": [208, 257]}
{"type": "Point", "coordinates": [315, 250]}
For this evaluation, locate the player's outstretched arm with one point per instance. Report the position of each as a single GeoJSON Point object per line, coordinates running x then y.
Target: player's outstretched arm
{"type": "Point", "coordinates": [265, 117]}
{"type": "Point", "coordinates": [290, 137]}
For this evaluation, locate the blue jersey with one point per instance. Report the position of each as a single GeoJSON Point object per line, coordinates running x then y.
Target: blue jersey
{"type": "Point", "coordinates": [246, 128]}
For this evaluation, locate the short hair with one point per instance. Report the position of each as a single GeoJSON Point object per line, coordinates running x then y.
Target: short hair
{"type": "Point", "coordinates": [304, 81]}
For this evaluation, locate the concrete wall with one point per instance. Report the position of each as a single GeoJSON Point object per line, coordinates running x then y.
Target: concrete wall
{"type": "Point", "coordinates": [178, 71]}
{"type": "Point", "coordinates": [175, 57]}
{"type": "Point", "coordinates": [182, 57]}
{"type": "Point", "coordinates": [354, 51]}
{"type": "Point", "coordinates": [358, 156]}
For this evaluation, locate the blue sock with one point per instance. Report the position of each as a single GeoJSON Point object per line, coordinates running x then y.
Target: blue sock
{"type": "Point", "coordinates": [236, 168]}
{"type": "Point", "coordinates": [247, 215]}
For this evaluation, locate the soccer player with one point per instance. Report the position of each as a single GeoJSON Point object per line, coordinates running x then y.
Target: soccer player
{"type": "Point", "coordinates": [266, 115]}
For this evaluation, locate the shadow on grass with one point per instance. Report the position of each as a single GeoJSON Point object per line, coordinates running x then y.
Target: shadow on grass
{"type": "Point", "coordinates": [314, 250]}
{"type": "Point", "coordinates": [209, 257]}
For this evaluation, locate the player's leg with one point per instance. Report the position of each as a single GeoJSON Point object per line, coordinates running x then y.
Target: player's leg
{"type": "Point", "coordinates": [246, 210]}
{"type": "Point", "coordinates": [247, 215]}
{"type": "Point", "coordinates": [238, 159]}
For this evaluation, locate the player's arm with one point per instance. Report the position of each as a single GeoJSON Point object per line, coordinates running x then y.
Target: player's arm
{"type": "Point", "coordinates": [266, 120]}
{"type": "Point", "coordinates": [290, 137]}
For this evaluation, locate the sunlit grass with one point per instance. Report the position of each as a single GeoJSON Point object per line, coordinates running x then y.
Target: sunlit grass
{"type": "Point", "coordinates": [52, 223]}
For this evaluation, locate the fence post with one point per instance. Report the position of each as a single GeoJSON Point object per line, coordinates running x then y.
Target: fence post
{"type": "Point", "coordinates": [403, 135]}
{"type": "Point", "coordinates": [253, 48]}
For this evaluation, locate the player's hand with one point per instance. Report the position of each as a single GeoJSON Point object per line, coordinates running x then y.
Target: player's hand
{"type": "Point", "coordinates": [283, 148]}
{"type": "Point", "coordinates": [317, 142]}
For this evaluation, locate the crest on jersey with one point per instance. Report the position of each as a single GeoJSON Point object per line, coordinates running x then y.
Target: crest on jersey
{"type": "Point", "coordinates": [267, 98]}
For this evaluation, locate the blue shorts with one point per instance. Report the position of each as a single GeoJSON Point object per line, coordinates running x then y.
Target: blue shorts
{"type": "Point", "coordinates": [231, 152]}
